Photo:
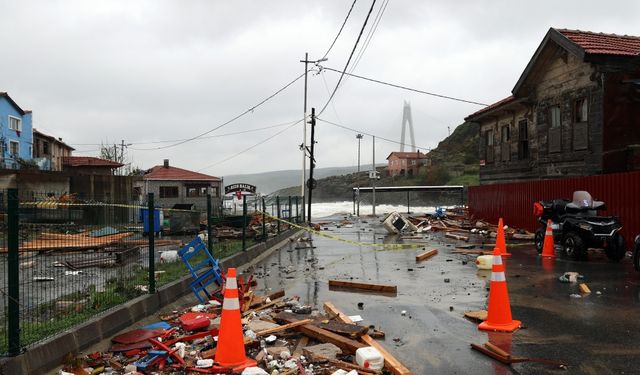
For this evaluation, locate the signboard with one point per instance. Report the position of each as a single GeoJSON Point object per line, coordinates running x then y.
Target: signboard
{"type": "Point", "coordinates": [240, 187]}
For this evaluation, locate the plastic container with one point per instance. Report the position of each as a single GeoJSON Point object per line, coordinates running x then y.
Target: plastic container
{"type": "Point", "coordinates": [484, 262]}
{"type": "Point", "coordinates": [369, 357]}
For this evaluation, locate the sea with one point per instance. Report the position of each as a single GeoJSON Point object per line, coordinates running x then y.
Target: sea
{"type": "Point", "coordinates": [345, 208]}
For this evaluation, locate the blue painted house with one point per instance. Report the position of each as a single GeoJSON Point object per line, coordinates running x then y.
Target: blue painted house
{"type": "Point", "coordinates": [16, 135]}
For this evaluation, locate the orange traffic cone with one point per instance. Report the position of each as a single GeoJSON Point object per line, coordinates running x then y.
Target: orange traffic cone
{"type": "Point", "coordinates": [230, 350]}
{"type": "Point", "coordinates": [548, 248]}
{"type": "Point", "coordinates": [501, 243]}
{"type": "Point", "coordinates": [499, 311]}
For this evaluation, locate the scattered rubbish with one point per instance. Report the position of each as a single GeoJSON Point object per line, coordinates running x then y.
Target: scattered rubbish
{"type": "Point", "coordinates": [574, 295]}
{"type": "Point", "coordinates": [484, 262]}
{"type": "Point", "coordinates": [395, 223]}
{"type": "Point", "coordinates": [495, 352]}
{"type": "Point", "coordinates": [477, 315]}
{"type": "Point", "coordinates": [355, 318]}
{"type": "Point", "coordinates": [369, 357]}
{"type": "Point", "coordinates": [447, 280]}
{"type": "Point", "coordinates": [570, 277]}
{"type": "Point", "coordinates": [456, 236]}
{"type": "Point", "coordinates": [403, 312]}
{"type": "Point", "coordinates": [360, 305]}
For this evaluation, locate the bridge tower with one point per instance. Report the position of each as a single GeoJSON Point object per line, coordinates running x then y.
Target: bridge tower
{"type": "Point", "coordinates": [406, 118]}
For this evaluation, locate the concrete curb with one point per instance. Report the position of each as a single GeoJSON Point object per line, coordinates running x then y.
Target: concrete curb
{"type": "Point", "coordinates": [49, 353]}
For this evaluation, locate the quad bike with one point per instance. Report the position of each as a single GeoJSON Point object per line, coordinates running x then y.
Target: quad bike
{"type": "Point", "coordinates": [577, 226]}
{"type": "Point", "coordinates": [636, 253]}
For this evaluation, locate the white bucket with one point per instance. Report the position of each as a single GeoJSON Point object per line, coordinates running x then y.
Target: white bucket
{"type": "Point", "coordinates": [369, 357]}
{"type": "Point", "coordinates": [484, 262]}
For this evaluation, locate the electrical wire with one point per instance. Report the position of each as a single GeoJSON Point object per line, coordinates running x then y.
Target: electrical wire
{"type": "Point", "coordinates": [369, 134]}
{"type": "Point", "coordinates": [406, 88]}
{"type": "Point", "coordinates": [372, 31]}
{"type": "Point", "coordinates": [250, 110]}
{"type": "Point", "coordinates": [340, 31]}
{"type": "Point", "coordinates": [373, 3]}
{"type": "Point", "coordinates": [252, 147]}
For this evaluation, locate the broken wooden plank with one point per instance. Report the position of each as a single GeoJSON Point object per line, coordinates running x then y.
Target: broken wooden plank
{"type": "Point", "coordinates": [456, 237]}
{"type": "Point", "coordinates": [259, 308]}
{"type": "Point", "coordinates": [477, 316]}
{"type": "Point", "coordinates": [302, 343]}
{"type": "Point", "coordinates": [426, 255]}
{"type": "Point", "coordinates": [390, 362]}
{"type": "Point", "coordinates": [351, 330]}
{"type": "Point", "coordinates": [338, 363]}
{"type": "Point", "coordinates": [347, 345]}
{"type": "Point", "coordinates": [283, 327]}
{"type": "Point", "coordinates": [584, 289]}
{"type": "Point", "coordinates": [363, 286]}
{"type": "Point", "coordinates": [276, 295]}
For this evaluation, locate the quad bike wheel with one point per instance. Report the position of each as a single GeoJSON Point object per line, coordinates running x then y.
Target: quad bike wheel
{"type": "Point", "coordinates": [574, 246]}
{"type": "Point", "coordinates": [615, 249]}
{"type": "Point", "coordinates": [636, 256]}
{"type": "Point", "coordinates": [539, 239]}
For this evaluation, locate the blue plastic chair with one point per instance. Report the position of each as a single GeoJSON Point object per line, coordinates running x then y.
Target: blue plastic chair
{"type": "Point", "coordinates": [204, 273]}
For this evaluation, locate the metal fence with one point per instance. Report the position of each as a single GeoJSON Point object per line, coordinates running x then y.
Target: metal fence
{"type": "Point", "coordinates": [63, 260]}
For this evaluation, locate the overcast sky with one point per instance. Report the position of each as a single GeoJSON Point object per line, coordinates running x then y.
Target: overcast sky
{"type": "Point", "coordinates": [145, 71]}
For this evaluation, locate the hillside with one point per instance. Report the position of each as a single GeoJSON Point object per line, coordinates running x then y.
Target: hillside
{"type": "Point", "coordinates": [454, 162]}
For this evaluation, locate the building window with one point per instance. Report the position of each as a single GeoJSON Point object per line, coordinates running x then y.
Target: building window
{"type": "Point", "coordinates": [15, 123]}
{"type": "Point", "coordinates": [581, 110]}
{"type": "Point", "coordinates": [505, 147]}
{"type": "Point", "coordinates": [523, 140]}
{"type": "Point", "coordinates": [505, 134]}
{"type": "Point", "coordinates": [554, 116]}
{"type": "Point", "coordinates": [488, 141]}
{"type": "Point", "coordinates": [168, 192]}
{"type": "Point", "coordinates": [197, 190]}
{"type": "Point", "coordinates": [45, 148]}
{"type": "Point", "coordinates": [14, 148]}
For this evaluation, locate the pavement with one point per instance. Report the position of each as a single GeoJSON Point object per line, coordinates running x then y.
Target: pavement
{"type": "Point", "coordinates": [595, 334]}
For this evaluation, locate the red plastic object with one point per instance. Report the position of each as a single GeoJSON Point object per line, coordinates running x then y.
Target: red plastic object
{"type": "Point", "coordinates": [537, 209]}
{"type": "Point", "coordinates": [166, 348]}
{"type": "Point", "coordinates": [137, 335]}
{"type": "Point", "coordinates": [195, 324]}
{"type": "Point", "coordinates": [130, 347]}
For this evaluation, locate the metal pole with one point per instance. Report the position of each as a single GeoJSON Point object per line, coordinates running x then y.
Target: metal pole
{"type": "Point", "coordinates": [304, 133]}
{"type": "Point", "coordinates": [244, 222]}
{"type": "Point", "coordinates": [359, 136]}
{"type": "Point", "coordinates": [13, 271]}
{"type": "Point", "coordinates": [264, 220]}
{"type": "Point", "coordinates": [312, 162]}
{"type": "Point", "coordinates": [278, 208]}
{"type": "Point", "coordinates": [152, 250]}
{"type": "Point", "coordinates": [373, 182]}
{"type": "Point", "coordinates": [289, 209]}
{"type": "Point", "coordinates": [297, 211]}
{"type": "Point", "coordinates": [209, 225]}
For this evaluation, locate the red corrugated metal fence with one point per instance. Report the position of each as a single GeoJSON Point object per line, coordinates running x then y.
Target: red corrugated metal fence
{"type": "Point", "coordinates": [514, 201]}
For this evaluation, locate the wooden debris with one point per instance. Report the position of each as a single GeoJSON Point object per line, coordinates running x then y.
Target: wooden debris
{"type": "Point", "coordinates": [390, 362]}
{"type": "Point", "coordinates": [284, 327]}
{"type": "Point", "coordinates": [302, 343]}
{"type": "Point", "coordinates": [456, 237]}
{"type": "Point", "coordinates": [500, 355]}
{"type": "Point", "coordinates": [426, 255]}
{"type": "Point", "coordinates": [58, 241]}
{"type": "Point", "coordinates": [340, 364]}
{"type": "Point", "coordinates": [347, 345]}
{"type": "Point", "coordinates": [363, 286]}
{"type": "Point", "coordinates": [584, 289]}
{"type": "Point", "coordinates": [351, 330]}
{"type": "Point", "coordinates": [477, 316]}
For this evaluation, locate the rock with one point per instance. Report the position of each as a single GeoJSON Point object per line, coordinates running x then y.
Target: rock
{"type": "Point", "coordinates": [276, 350]}
{"type": "Point", "coordinates": [326, 350]}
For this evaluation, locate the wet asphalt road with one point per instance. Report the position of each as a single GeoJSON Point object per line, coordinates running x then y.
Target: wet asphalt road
{"type": "Point", "coordinates": [597, 334]}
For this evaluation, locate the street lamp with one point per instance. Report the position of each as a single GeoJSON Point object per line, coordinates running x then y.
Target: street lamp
{"type": "Point", "coordinates": [303, 147]}
{"type": "Point", "coordinates": [359, 137]}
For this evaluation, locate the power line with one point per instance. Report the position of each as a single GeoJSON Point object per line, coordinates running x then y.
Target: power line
{"type": "Point", "coordinates": [369, 134]}
{"type": "Point", "coordinates": [405, 87]}
{"type": "Point", "coordinates": [373, 3]}
{"type": "Point", "coordinates": [250, 110]}
{"type": "Point", "coordinates": [340, 31]}
{"type": "Point", "coordinates": [209, 136]}
{"type": "Point", "coordinates": [252, 147]}
{"type": "Point", "coordinates": [372, 31]}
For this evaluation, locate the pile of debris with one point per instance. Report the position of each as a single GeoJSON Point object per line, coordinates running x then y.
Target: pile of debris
{"type": "Point", "coordinates": [457, 224]}
{"type": "Point", "coordinates": [282, 335]}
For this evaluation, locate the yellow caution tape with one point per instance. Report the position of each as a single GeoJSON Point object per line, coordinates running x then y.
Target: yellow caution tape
{"type": "Point", "coordinates": [387, 246]}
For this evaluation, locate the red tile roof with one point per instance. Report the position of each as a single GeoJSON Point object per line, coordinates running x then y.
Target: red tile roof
{"type": "Point", "coordinates": [160, 172]}
{"type": "Point", "coordinates": [493, 106]}
{"type": "Point", "coordinates": [408, 155]}
{"type": "Point", "coordinates": [603, 44]}
{"type": "Point", "coordinates": [89, 161]}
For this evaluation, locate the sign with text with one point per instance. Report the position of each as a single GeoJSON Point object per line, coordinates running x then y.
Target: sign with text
{"type": "Point", "coordinates": [248, 188]}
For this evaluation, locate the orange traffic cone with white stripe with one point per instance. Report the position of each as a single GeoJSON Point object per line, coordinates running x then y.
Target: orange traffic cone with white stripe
{"type": "Point", "coordinates": [501, 242]}
{"type": "Point", "coordinates": [499, 311]}
{"type": "Point", "coordinates": [230, 350]}
{"type": "Point", "coordinates": [548, 248]}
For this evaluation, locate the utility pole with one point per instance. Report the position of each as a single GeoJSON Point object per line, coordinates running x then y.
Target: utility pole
{"type": "Point", "coordinates": [359, 137]}
{"type": "Point", "coordinates": [312, 161]}
{"type": "Point", "coordinates": [303, 146]}
{"type": "Point", "coordinates": [375, 176]}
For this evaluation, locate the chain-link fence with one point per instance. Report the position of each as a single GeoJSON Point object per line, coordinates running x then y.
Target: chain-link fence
{"type": "Point", "coordinates": [64, 260]}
